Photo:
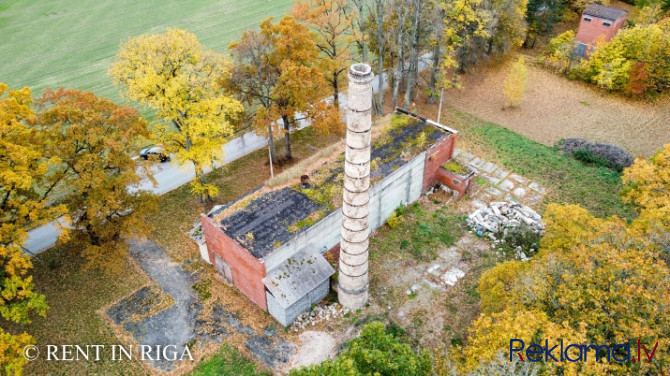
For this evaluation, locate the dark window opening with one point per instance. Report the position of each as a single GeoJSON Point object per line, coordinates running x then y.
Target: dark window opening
{"type": "Point", "coordinates": [607, 24]}
{"type": "Point", "coordinates": [587, 19]}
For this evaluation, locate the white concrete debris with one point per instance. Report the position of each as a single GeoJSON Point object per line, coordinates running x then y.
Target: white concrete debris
{"type": "Point", "coordinates": [318, 315]}
{"type": "Point", "coordinates": [496, 218]}
{"type": "Point", "coordinates": [452, 276]}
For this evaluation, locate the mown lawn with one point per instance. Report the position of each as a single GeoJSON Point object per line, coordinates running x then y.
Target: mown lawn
{"type": "Point", "coordinates": [71, 43]}
{"type": "Point", "coordinates": [569, 181]}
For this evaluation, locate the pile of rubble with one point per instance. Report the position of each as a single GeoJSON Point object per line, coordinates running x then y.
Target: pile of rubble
{"type": "Point", "coordinates": [497, 218]}
{"type": "Point", "coordinates": [318, 315]}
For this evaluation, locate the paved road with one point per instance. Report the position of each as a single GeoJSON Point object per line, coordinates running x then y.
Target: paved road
{"type": "Point", "coordinates": [169, 176]}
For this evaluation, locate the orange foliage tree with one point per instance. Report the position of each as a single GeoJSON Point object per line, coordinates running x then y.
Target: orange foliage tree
{"type": "Point", "coordinates": [332, 22]}
{"type": "Point", "coordinates": [277, 71]}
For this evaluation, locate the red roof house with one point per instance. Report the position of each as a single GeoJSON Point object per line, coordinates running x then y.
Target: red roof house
{"type": "Point", "coordinates": [598, 22]}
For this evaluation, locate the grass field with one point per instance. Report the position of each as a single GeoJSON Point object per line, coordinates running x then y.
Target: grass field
{"type": "Point", "coordinates": [71, 43]}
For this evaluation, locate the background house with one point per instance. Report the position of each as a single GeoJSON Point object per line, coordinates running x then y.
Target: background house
{"type": "Point", "coordinates": [598, 22]}
{"type": "Point", "coordinates": [270, 243]}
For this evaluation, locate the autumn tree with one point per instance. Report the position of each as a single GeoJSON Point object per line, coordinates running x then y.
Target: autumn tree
{"type": "Point", "coordinates": [93, 139]}
{"type": "Point", "coordinates": [596, 281]}
{"type": "Point", "coordinates": [173, 74]}
{"type": "Point", "coordinates": [478, 29]}
{"type": "Point", "coordinates": [23, 173]}
{"type": "Point", "coordinates": [375, 352]}
{"type": "Point", "coordinates": [614, 64]}
{"type": "Point", "coordinates": [515, 84]}
{"type": "Point", "coordinates": [647, 186]}
{"type": "Point", "coordinates": [277, 71]}
{"type": "Point", "coordinates": [332, 22]}
{"type": "Point", "coordinates": [561, 52]}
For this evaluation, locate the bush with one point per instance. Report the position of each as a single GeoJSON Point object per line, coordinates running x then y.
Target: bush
{"type": "Point", "coordinates": [606, 155]}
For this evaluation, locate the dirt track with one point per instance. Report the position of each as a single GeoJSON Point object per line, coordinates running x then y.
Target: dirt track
{"type": "Point", "coordinates": [555, 107]}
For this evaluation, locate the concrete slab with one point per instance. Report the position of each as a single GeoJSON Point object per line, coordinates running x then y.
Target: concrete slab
{"type": "Point", "coordinates": [506, 185]}
{"type": "Point", "coordinates": [519, 192]}
{"type": "Point", "coordinates": [465, 156]}
{"type": "Point", "coordinates": [500, 174]}
{"type": "Point", "coordinates": [491, 179]}
{"type": "Point", "coordinates": [534, 198]}
{"type": "Point", "coordinates": [536, 187]}
{"type": "Point", "coordinates": [489, 167]}
{"type": "Point", "coordinates": [519, 179]}
{"type": "Point", "coordinates": [477, 163]}
{"type": "Point", "coordinates": [494, 191]}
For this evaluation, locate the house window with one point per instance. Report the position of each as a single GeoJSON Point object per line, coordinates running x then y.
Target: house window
{"type": "Point", "coordinates": [587, 19]}
{"type": "Point", "coordinates": [607, 24]}
{"type": "Point", "coordinates": [456, 182]}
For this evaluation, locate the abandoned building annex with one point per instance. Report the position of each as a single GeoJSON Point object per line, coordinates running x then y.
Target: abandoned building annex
{"type": "Point", "coordinates": [270, 243]}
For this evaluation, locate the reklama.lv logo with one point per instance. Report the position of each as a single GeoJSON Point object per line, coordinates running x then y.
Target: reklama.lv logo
{"type": "Point", "coordinates": [578, 353]}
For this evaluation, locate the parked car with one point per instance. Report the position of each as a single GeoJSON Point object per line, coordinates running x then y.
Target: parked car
{"type": "Point", "coordinates": [155, 153]}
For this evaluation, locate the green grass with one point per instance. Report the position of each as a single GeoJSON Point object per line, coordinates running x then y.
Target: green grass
{"type": "Point", "coordinates": [419, 233]}
{"type": "Point", "coordinates": [570, 181]}
{"type": "Point", "coordinates": [227, 362]}
{"type": "Point", "coordinates": [71, 43]}
{"type": "Point", "coordinates": [74, 295]}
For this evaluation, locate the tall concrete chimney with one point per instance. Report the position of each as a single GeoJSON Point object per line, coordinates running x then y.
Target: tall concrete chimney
{"type": "Point", "coordinates": [353, 267]}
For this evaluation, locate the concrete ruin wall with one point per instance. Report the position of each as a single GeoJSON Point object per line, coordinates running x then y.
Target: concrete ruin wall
{"type": "Point", "coordinates": [288, 315]}
{"type": "Point", "coordinates": [404, 185]}
{"type": "Point", "coordinates": [247, 271]}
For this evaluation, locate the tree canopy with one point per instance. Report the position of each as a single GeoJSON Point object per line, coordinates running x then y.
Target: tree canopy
{"type": "Point", "coordinates": [597, 281]}
{"type": "Point", "coordinates": [172, 73]}
{"type": "Point", "coordinates": [277, 72]}
{"type": "Point", "coordinates": [23, 172]}
{"type": "Point", "coordinates": [93, 139]}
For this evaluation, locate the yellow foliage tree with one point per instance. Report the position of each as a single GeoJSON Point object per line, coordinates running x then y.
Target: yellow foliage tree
{"type": "Point", "coordinates": [172, 73]}
{"type": "Point", "coordinates": [95, 141]}
{"type": "Point", "coordinates": [594, 281]}
{"type": "Point", "coordinates": [23, 171]}
{"type": "Point", "coordinates": [515, 83]}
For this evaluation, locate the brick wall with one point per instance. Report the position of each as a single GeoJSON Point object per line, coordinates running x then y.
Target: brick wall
{"type": "Point", "coordinates": [454, 181]}
{"type": "Point", "coordinates": [247, 271]}
{"type": "Point", "coordinates": [589, 32]}
{"type": "Point", "coordinates": [435, 157]}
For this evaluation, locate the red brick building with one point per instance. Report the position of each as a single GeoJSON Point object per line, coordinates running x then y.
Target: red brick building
{"type": "Point", "coordinates": [256, 242]}
{"type": "Point", "coordinates": [599, 22]}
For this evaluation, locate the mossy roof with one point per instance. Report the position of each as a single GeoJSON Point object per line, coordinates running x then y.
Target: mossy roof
{"type": "Point", "coordinates": [277, 216]}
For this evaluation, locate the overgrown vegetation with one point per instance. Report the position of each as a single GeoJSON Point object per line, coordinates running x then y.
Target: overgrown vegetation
{"type": "Point", "coordinates": [569, 181]}
{"type": "Point", "coordinates": [227, 362]}
{"type": "Point", "coordinates": [376, 352]}
{"type": "Point", "coordinates": [604, 155]}
{"type": "Point", "coordinates": [634, 62]}
{"type": "Point", "coordinates": [412, 231]}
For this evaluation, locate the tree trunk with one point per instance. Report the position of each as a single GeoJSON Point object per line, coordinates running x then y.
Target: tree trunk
{"type": "Point", "coordinates": [433, 73]}
{"type": "Point", "coordinates": [413, 55]}
{"type": "Point", "coordinates": [287, 137]}
{"type": "Point", "coordinates": [336, 90]}
{"type": "Point", "coordinates": [380, 57]}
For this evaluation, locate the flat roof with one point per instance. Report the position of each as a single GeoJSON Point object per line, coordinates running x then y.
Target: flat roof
{"type": "Point", "coordinates": [604, 12]}
{"type": "Point", "coordinates": [265, 223]}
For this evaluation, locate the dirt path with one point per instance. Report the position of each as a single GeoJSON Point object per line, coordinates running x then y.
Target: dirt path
{"type": "Point", "coordinates": [555, 108]}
